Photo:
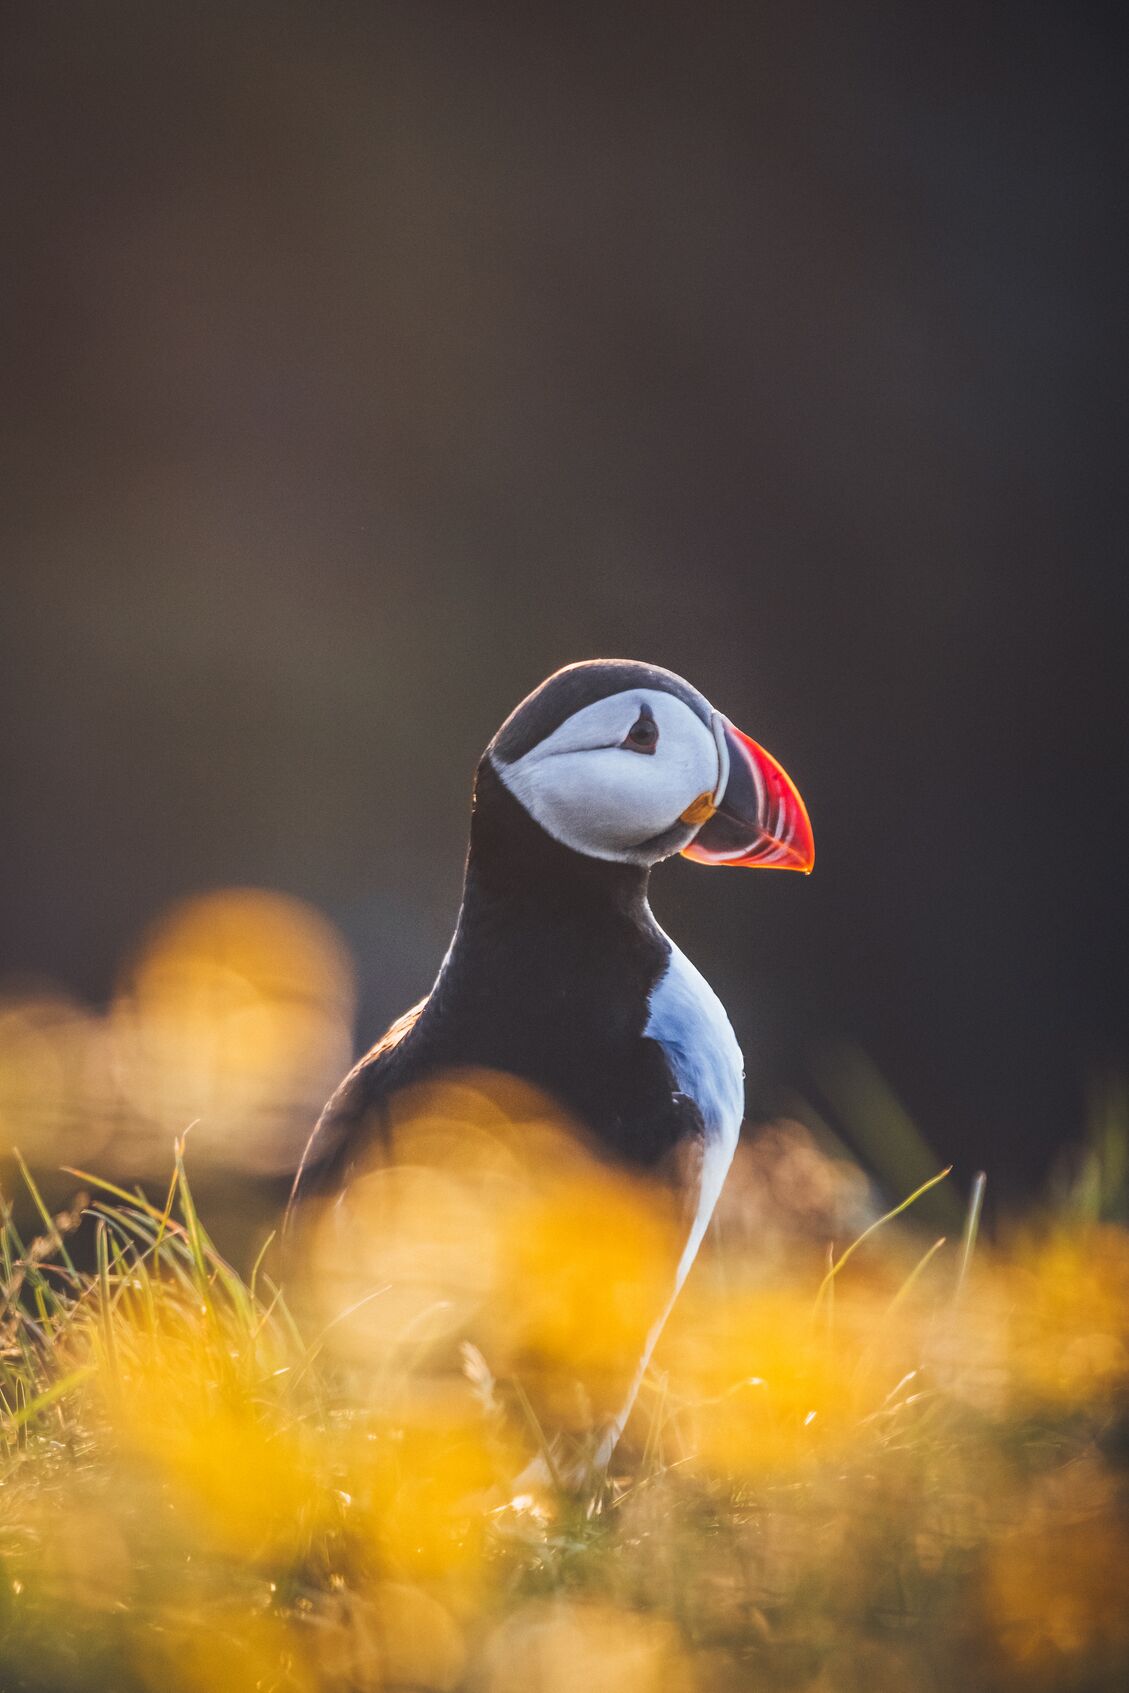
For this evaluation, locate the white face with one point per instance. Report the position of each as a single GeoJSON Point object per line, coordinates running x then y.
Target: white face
{"type": "Point", "coordinates": [592, 789]}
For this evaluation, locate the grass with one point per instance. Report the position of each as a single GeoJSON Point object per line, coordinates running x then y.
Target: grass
{"type": "Point", "coordinates": [897, 1466]}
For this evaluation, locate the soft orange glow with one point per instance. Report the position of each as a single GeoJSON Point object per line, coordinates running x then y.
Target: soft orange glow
{"type": "Point", "coordinates": [567, 1645]}
{"type": "Point", "coordinates": [235, 1017]}
{"type": "Point", "coordinates": [862, 1456]}
{"type": "Point", "coordinates": [236, 1009]}
{"type": "Point", "coordinates": [824, 1479]}
{"type": "Point", "coordinates": [485, 1215]}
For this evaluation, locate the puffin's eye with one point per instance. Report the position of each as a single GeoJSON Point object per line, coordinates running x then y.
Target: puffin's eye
{"type": "Point", "coordinates": [643, 736]}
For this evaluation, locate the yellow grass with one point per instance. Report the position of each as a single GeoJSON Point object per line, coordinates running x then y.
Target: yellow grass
{"type": "Point", "coordinates": [899, 1468]}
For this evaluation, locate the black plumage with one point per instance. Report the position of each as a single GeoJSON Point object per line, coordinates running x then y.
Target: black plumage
{"type": "Point", "coordinates": [558, 974]}
{"type": "Point", "coordinates": [548, 978]}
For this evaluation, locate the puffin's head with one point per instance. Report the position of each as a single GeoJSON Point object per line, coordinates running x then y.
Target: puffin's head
{"type": "Point", "coordinates": [627, 762]}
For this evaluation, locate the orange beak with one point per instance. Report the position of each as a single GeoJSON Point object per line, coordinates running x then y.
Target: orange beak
{"type": "Point", "coordinates": [760, 819]}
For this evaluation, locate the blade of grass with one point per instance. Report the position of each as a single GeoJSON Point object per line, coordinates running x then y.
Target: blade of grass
{"type": "Point", "coordinates": [651, 1454]}
{"type": "Point", "coordinates": [25, 1267]}
{"type": "Point", "coordinates": [49, 1222]}
{"type": "Point", "coordinates": [173, 1255]}
{"type": "Point", "coordinates": [971, 1229]}
{"type": "Point", "coordinates": [204, 1251]}
{"type": "Point", "coordinates": [31, 1407]}
{"type": "Point", "coordinates": [869, 1350]}
{"type": "Point", "coordinates": [169, 1198]}
{"type": "Point", "coordinates": [538, 1433]}
{"type": "Point", "coordinates": [137, 1200]}
{"type": "Point", "coordinates": [256, 1266]}
{"type": "Point", "coordinates": [278, 1303]}
{"type": "Point", "coordinates": [887, 1217]}
{"type": "Point", "coordinates": [191, 1220]}
{"type": "Point", "coordinates": [106, 1309]}
{"type": "Point", "coordinates": [922, 1264]}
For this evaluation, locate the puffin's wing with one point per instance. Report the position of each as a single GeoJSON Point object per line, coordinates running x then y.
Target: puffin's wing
{"type": "Point", "coordinates": [349, 1119]}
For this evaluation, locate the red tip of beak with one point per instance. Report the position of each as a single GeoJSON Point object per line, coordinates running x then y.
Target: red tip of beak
{"type": "Point", "coordinates": [761, 822]}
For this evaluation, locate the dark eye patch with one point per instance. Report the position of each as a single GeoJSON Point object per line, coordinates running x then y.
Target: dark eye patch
{"type": "Point", "coordinates": [578, 685]}
{"type": "Point", "coordinates": [643, 735]}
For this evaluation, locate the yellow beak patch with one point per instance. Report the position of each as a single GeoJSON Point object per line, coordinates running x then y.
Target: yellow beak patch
{"type": "Point", "coordinates": [699, 810]}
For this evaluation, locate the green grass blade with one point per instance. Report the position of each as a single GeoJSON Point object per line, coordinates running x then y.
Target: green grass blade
{"type": "Point", "coordinates": [879, 1222]}
{"type": "Point", "coordinates": [32, 1407]}
{"type": "Point", "coordinates": [49, 1222]}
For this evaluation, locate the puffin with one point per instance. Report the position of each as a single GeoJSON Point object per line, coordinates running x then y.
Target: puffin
{"type": "Point", "coordinates": [558, 973]}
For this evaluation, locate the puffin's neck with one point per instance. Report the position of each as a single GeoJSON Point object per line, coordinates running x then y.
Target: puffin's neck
{"type": "Point", "coordinates": [512, 860]}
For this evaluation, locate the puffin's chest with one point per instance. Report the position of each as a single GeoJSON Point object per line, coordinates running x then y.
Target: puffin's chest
{"type": "Point", "coordinates": [689, 1022]}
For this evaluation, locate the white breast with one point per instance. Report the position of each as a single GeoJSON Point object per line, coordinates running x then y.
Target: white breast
{"type": "Point", "coordinates": [689, 1023]}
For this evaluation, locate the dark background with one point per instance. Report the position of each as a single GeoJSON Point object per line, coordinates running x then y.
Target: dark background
{"type": "Point", "coordinates": [365, 363]}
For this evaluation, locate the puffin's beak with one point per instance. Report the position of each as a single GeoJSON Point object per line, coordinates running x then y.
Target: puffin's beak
{"type": "Point", "coordinates": [757, 818]}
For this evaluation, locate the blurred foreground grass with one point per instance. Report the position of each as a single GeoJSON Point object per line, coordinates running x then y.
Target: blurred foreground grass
{"type": "Point", "coordinates": [895, 1465]}
{"type": "Point", "coordinates": [900, 1468]}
